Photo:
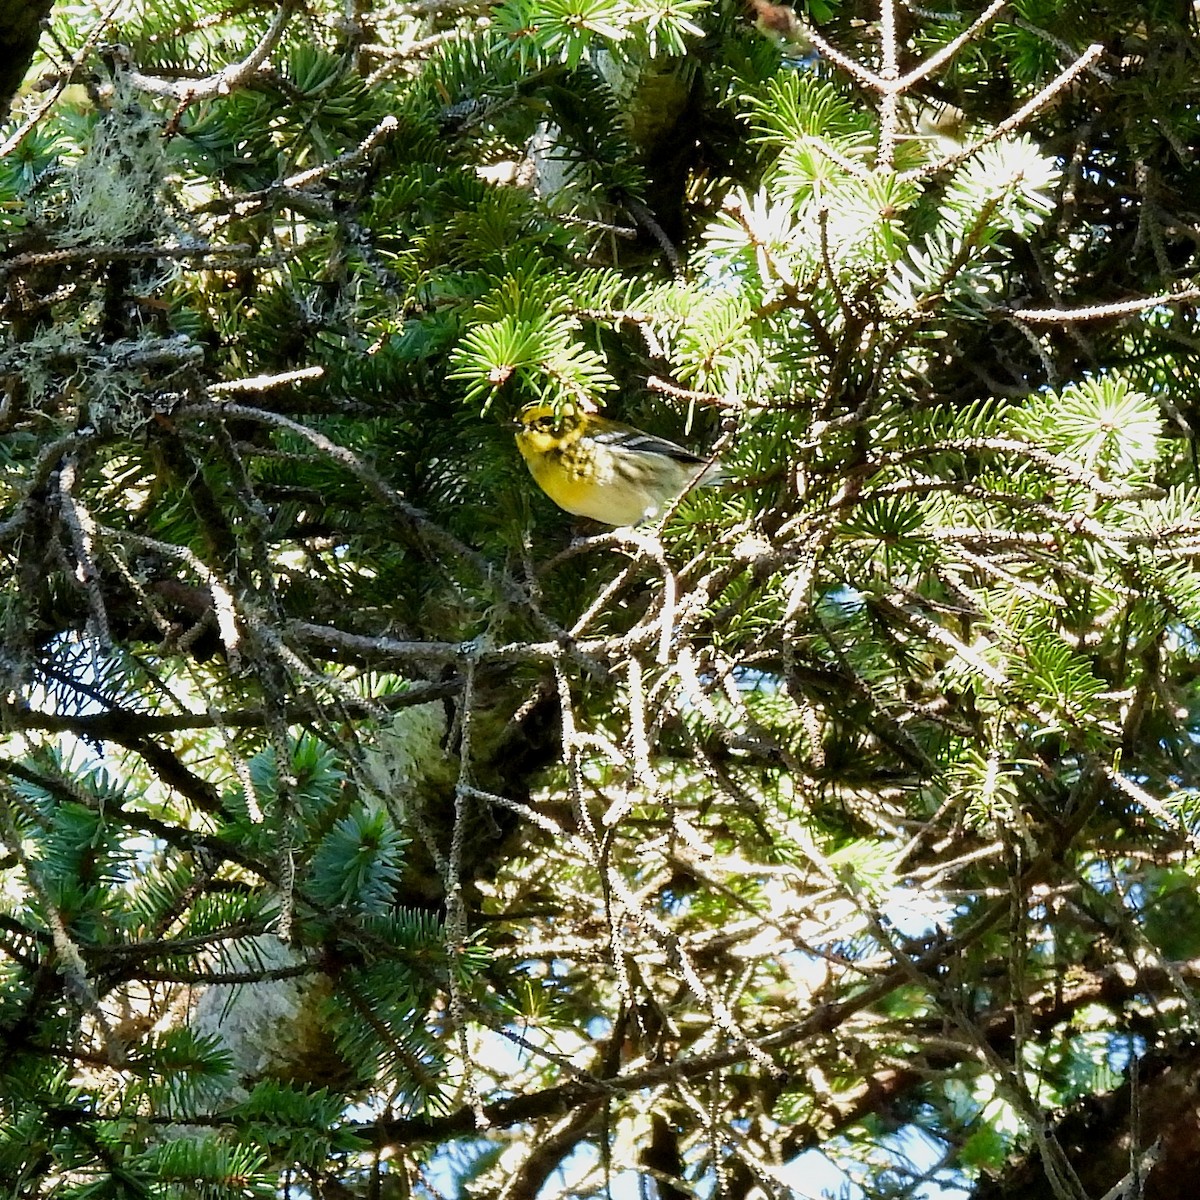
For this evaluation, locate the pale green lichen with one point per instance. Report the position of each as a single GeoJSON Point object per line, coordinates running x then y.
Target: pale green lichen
{"type": "Point", "coordinates": [114, 189]}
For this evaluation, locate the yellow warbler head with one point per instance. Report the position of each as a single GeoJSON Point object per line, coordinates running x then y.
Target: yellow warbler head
{"type": "Point", "coordinates": [540, 429]}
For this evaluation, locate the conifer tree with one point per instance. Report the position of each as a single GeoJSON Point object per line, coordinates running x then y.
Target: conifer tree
{"type": "Point", "coordinates": [370, 827]}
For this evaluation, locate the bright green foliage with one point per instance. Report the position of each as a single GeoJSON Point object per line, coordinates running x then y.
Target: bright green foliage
{"type": "Point", "coordinates": [367, 824]}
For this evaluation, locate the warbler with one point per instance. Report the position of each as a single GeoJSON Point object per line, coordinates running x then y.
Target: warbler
{"type": "Point", "coordinates": [602, 469]}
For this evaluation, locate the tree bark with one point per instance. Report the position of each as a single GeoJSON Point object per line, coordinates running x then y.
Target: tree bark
{"type": "Point", "coordinates": [20, 28]}
{"type": "Point", "coordinates": [1146, 1133]}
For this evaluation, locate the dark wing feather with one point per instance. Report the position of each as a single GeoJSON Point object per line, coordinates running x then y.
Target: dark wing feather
{"type": "Point", "coordinates": [645, 443]}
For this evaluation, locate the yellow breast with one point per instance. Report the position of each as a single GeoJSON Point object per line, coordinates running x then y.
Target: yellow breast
{"type": "Point", "coordinates": [584, 484]}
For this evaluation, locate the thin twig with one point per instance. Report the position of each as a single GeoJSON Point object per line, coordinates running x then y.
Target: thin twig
{"type": "Point", "coordinates": [188, 91]}
{"type": "Point", "coordinates": [1102, 312]}
{"type": "Point", "coordinates": [1015, 121]}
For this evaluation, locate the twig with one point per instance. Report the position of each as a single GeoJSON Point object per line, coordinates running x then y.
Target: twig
{"type": "Point", "coordinates": [188, 91]}
{"type": "Point", "coordinates": [707, 399]}
{"type": "Point", "coordinates": [83, 540]}
{"type": "Point", "coordinates": [951, 48]}
{"type": "Point", "coordinates": [1101, 312]}
{"type": "Point", "coordinates": [1015, 121]}
{"type": "Point", "coordinates": [65, 78]}
{"type": "Point", "coordinates": [456, 912]}
{"type": "Point", "coordinates": [264, 383]}
{"type": "Point", "coordinates": [101, 254]}
{"type": "Point", "coordinates": [223, 602]}
{"type": "Point", "coordinates": [386, 127]}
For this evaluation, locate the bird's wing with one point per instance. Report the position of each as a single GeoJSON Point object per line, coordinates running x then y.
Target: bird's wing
{"type": "Point", "coordinates": [645, 443]}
